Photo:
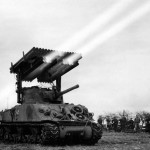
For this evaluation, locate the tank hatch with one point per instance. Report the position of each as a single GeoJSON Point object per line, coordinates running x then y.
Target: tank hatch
{"type": "Point", "coordinates": [44, 64]}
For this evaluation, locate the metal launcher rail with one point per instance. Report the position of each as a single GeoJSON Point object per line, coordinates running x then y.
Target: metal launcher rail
{"type": "Point", "coordinates": [44, 65]}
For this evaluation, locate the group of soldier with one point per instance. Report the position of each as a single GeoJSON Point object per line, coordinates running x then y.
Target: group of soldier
{"type": "Point", "coordinates": [122, 123]}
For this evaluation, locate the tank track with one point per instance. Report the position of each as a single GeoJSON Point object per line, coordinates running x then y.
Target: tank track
{"type": "Point", "coordinates": [50, 134]}
{"type": "Point", "coordinates": [45, 134]}
{"type": "Point", "coordinates": [96, 135]}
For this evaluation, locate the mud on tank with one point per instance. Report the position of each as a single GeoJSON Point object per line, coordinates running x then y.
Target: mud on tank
{"type": "Point", "coordinates": [41, 115]}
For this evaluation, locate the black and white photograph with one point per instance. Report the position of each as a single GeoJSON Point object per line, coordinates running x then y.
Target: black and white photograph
{"type": "Point", "coordinates": [75, 74]}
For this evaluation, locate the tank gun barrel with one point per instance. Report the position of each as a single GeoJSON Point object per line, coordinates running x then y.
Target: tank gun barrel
{"type": "Point", "coordinates": [67, 90]}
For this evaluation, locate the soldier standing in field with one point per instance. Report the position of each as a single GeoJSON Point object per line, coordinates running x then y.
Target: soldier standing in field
{"type": "Point", "coordinates": [100, 120]}
{"type": "Point", "coordinates": [108, 123]}
{"type": "Point", "coordinates": [123, 122]}
{"type": "Point", "coordinates": [147, 122]}
{"type": "Point", "coordinates": [115, 123]}
{"type": "Point", "coordinates": [131, 124]}
{"type": "Point", "coordinates": [136, 123]}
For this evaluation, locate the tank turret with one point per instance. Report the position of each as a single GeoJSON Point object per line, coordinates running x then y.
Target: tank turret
{"type": "Point", "coordinates": [36, 94]}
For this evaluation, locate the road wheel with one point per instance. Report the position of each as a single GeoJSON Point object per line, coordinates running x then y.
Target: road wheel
{"type": "Point", "coordinates": [50, 134]}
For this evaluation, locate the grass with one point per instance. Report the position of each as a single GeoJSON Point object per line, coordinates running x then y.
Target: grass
{"type": "Point", "coordinates": [109, 141]}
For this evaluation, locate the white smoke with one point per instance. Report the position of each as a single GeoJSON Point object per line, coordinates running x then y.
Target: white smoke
{"type": "Point", "coordinates": [95, 25]}
{"type": "Point", "coordinates": [72, 59]}
{"type": "Point", "coordinates": [116, 28]}
{"type": "Point", "coordinates": [53, 55]}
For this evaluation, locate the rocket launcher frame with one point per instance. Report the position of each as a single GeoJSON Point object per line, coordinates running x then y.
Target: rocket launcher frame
{"type": "Point", "coordinates": [34, 65]}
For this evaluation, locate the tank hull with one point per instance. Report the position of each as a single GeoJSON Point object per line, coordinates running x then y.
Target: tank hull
{"type": "Point", "coordinates": [46, 124]}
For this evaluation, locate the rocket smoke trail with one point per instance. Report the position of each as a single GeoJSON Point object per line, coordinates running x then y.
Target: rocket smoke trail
{"type": "Point", "coordinates": [116, 28]}
{"type": "Point", "coordinates": [95, 25]}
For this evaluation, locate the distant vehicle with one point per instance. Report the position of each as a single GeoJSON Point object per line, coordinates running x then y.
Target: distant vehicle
{"type": "Point", "coordinates": [41, 115]}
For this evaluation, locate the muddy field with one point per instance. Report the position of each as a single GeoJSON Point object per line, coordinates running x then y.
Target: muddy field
{"type": "Point", "coordinates": [109, 141]}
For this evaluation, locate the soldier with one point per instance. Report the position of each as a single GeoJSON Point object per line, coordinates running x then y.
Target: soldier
{"type": "Point", "coordinates": [136, 123]}
{"type": "Point", "coordinates": [123, 122]}
{"type": "Point", "coordinates": [131, 124]}
{"type": "Point", "coordinates": [115, 123]}
{"type": "Point", "coordinates": [147, 122]}
{"type": "Point", "coordinates": [108, 123]}
{"type": "Point", "coordinates": [100, 120]}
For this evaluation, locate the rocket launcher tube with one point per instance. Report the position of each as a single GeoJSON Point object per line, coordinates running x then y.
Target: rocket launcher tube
{"type": "Point", "coordinates": [67, 90]}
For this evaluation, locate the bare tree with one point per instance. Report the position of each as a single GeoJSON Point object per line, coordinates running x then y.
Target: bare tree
{"type": "Point", "coordinates": [125, 113]}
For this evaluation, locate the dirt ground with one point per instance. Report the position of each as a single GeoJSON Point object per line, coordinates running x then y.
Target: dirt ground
{"type": "Point", "coordinates": [109, 141]}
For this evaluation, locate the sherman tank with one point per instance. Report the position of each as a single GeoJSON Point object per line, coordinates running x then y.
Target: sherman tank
{"type": "Point", "coordinates": [41, 115]}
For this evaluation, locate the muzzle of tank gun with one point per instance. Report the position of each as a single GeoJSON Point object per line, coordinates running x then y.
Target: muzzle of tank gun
{"type": "Point", "coordinates": [67, 90]}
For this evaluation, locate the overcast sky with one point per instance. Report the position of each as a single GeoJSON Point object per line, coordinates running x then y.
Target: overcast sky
{"type": "Point", "coordinates": [113, 37]}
